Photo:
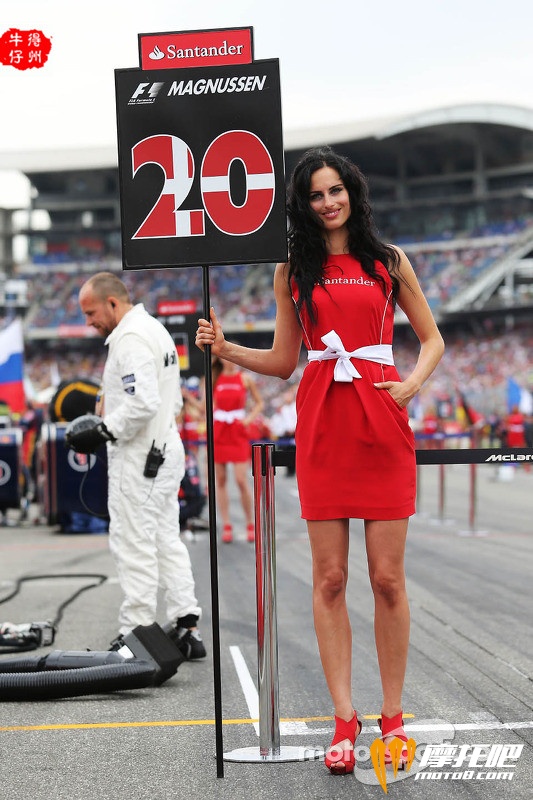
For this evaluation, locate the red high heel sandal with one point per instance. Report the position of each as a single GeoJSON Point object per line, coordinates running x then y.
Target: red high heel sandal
{"type": "Point", "coordinates": [250, 532]}
{"type": "Point", "coordinates": [227, 534]}
{"type": "Point", "coordinates": [392, 727]}
{"type": "Point", "coordinates": [341, 761]}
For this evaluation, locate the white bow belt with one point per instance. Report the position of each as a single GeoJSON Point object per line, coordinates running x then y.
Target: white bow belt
{"type": "Point", "coordinates": [345, 371]}
{"type": "Point", "coordinates": [228, 416]}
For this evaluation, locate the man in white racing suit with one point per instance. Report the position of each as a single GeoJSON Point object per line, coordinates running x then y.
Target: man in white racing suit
{"type": "Point", "coordinates": [141, 397]}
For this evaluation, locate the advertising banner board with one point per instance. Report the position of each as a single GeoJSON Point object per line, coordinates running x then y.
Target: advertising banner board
{"type": "Point", "coordinates": [212, 48]}
{"type": "Point", "coordinates": [201, 165]}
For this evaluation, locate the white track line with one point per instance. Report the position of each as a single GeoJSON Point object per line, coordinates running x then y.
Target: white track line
{"type": "Point", "coordinates": [247, 685]}
{"type": "Point", "coordinates": [252, 697]}
{"type": "Point", "coordinates": [471, 726]}
{"type": "Point", "coordinates": [298, 728]}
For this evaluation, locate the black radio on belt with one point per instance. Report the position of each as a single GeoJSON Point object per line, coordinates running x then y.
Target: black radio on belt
{"type": "Point", "coordinates": [154, 459]}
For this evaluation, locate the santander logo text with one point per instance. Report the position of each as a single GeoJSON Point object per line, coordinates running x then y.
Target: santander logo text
{"type": "Point", "coordinates": [196, 48]}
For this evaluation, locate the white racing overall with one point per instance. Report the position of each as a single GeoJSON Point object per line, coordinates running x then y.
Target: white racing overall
{"type": "Point", "coordinates": [142, 395]}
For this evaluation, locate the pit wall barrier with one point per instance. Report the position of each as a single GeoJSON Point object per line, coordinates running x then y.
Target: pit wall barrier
{"type": "Point", "coordinates": [265, 458]}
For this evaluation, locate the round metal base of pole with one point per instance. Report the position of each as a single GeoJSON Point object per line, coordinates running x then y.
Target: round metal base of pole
{"type": "Point", "coordinates": [253, 755]}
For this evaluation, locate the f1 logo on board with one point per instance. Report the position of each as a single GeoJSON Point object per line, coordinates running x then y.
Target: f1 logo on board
{"type": "Point", "coordinates": [145, 93]}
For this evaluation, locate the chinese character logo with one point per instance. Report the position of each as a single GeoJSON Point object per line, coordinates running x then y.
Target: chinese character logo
{"type": "Point", "coordinates": [24, 49]}
{"type": "Point", "coordinates": [469, 762]}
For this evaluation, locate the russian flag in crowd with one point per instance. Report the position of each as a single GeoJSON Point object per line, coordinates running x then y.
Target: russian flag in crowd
{"type": "Point", "coordinates": [11, 366]}
{"type": "Point", "coordinates": [519, 396]}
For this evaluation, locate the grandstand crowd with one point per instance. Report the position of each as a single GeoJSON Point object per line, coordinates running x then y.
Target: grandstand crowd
{"type": "Point", "coordinates": [475, 366]}
{"type": "Point", "coordinates": [444, 266]}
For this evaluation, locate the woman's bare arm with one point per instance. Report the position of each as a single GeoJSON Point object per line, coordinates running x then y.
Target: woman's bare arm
{"type": "Point", "coordinates": [282, 358]}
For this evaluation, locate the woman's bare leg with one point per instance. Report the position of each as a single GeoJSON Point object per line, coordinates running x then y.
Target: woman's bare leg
{"type": "Point", "coordinates": [242, 479]}
{"type": "Point", "coordinates": [385, 546]}
{"type": "Point", "coordinates": [329, 547]}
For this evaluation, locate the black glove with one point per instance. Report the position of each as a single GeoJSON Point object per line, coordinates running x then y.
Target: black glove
{"type": "Point", "coordinates": [85, 434]}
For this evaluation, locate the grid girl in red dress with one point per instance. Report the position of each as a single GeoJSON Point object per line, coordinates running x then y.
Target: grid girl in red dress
{"type": "Point", "coordinates": [354, 447]}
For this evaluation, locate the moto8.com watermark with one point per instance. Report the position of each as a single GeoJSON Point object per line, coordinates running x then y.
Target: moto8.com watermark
{"type": "Point", "coordinates": [488, 762]}
{"type": "Point", "coordinates": [437, 758]}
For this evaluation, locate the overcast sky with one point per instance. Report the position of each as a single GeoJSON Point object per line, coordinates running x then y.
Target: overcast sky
{"type": "Point", "coordinates": [347, 60]}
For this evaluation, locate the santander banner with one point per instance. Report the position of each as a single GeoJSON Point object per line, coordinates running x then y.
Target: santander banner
{"type": "Point", "coordinates": [212, 48]}
{"type": "Point", "coordinates": [167, 308]}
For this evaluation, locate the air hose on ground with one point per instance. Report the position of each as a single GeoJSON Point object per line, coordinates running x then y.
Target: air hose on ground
{"type": "Point", "coordinates": [51, 684]}
{"type": "Point", "coordinates": [147, 657]}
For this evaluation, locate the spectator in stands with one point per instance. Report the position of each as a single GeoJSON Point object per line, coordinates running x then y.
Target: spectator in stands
{"type": "Point", "coordinates": [191, 425]}
{"type": "Point", "coordinates": [528, 430]}
{"type": "Point", "coordinates": [284, 422]}
{"type": "Point", "coordinates": [191, 497]}
{"type": "Point", "coordinates": [494, 430]}
{"type": "Point", "coordinates": [191, 420]}
{"type": "Point", "coordinates": [515, 428]}
{"type": "Point", "coordinates": [30, 424]}
{"type": "Point", "coordinates": [430, 428]}
{"type": "Point", "coordinates": [354, 448]}
{"type": "Point", "coordinates": [5, 414]}
{"type": "Point", "coordinates": [232, 391]}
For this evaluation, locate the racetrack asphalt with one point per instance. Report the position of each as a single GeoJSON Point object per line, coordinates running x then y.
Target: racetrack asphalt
{"type": "Point", "coordinates": [468, 694]}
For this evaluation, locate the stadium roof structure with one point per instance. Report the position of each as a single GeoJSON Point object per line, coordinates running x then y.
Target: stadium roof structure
{"type": "Point", "coordinates": [64, 160]}
{"type": "Point", "coordinates": [386, 127]}
{"type": "Point", "coordinates": [377, 130]}
{"type": "Point", "coordinates": [403, 155]}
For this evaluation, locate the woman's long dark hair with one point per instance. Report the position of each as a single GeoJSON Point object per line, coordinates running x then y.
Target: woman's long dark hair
{"type": "Point", "coordinates": [307, 246]}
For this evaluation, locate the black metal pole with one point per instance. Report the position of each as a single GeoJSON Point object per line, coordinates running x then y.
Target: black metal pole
{"type": "Point", "coordinates": [215, 622]}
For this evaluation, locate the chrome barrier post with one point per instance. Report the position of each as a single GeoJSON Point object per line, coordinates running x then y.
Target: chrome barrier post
{"type": "Point", "coordinates": [442, 519]}
{"type": "Point", "coordinates": [265, 571]}
{"type": "Point", "coordinates": [473, 530]}
{"type": "Point", "coordinates": [442, 491]}
{"type": "Point", "coordinates": [270, 749]}
{"type": "Point", "coordinates": [473, 497]}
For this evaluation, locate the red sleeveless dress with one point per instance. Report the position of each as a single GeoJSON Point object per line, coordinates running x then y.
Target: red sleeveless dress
{"type": "Point", "coordinates": [355, 453]}
{"type": "Point", "coordinates": [231, 441]}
